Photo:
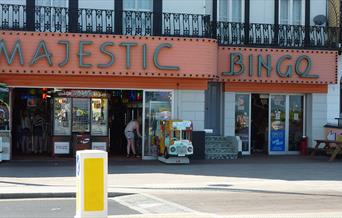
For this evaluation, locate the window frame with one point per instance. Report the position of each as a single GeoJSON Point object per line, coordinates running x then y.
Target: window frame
{"type": "Point", "coordinates": [136, 8]}
{"type": "Point", "coordinates": [229, 16]}
{"type": "Point", "coordinates": [290, 20]}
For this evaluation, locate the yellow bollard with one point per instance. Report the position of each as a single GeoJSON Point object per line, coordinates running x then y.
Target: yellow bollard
{"type": "Point", "coordinates": [91, 184]}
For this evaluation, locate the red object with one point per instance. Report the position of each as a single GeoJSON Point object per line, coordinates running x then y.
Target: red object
{"type": "Point", "coordinates": [303, 145]}
{"type": "Point", "coordinates": [44, 93]}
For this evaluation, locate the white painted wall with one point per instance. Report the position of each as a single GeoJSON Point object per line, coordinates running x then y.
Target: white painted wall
{"type": "Point", "coordinates": [187, 6]}
{"type": "Point", "coordinates": [189, 105]}
{"type": "Point", "coordinates": [262, 11]}
{"type": "Point", "coordinates": [229, 114]}
{"type": "Point", "coordinates": [333, 96]}
{"type": "Point", "coordinates": [317, 7]}
{"type": "Point", "coordinates": [316, 116]}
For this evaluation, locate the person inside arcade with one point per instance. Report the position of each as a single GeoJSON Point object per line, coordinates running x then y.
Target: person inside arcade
{"type": "Point", "coordinates": [132, 126]}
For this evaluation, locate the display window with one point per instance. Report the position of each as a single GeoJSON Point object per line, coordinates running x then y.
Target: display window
{"type": "Point", "coordinates": [62, 116]}
{"type": "Point", "coordinates": [80, 115]}
{"type": "Point", "coordinates": [99, 117]}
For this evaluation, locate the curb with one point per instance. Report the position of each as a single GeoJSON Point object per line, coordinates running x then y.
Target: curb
{"type": "Point", "coordinates": [52, 195]}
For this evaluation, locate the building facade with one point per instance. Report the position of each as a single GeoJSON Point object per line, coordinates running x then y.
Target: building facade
{"type": "Point", "coordinates": [73, 73]}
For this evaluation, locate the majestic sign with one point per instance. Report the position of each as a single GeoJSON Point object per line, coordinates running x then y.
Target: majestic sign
{"type": "Point", "coordinates": [65, 53]}
{"type": "Point", "coordinates": [277, 65]}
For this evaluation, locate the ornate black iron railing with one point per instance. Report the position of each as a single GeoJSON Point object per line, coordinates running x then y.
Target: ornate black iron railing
{"type": "Point", "coordinates": [96, 21]}
{"type": "Point", "coordinates": [187, 25]}
{"type": "Point", "coordinates": [287, 36]}
{"type": "Point", "coordinates": [12, 17]}
{"type": "Point", "coordinates": [138, 23]}
{"type": "Point", "coordinates": [146, 23]}
{"type": "Point", "coordinates": [51, 19]}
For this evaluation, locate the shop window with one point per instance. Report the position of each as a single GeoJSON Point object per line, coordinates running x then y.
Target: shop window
{"type": "Point", "coordinates": [99, 117]}
{"type": "Point", "coordinates": [62, 116]}
{"type": "Point", "coordinates": [291, 12]}
{"type": "Point", "coordinates": [158, 107]}
{"type": "Point", "coordinates": [81, 115]}
{"type": "Point", "coordinates": [231, 10]}
{"type": "Point", "coordinates": [242, 116]}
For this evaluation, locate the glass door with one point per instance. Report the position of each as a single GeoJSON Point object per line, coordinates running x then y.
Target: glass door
{"type": "Point", "coordinates": [243, 121]}
{"type": "Point", "coordinates": [158, 105]}
{"type": "Point", "coordinates": [296, 122]}
{"type": "Point", "coordinates": [277, 124]}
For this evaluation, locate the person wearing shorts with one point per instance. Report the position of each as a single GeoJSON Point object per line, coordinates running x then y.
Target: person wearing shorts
{"type": "Point", "coordinates": [129, 133]}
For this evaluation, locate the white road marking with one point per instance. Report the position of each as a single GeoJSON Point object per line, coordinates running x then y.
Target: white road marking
{"type": "Point", "coordinates": [149, 204]}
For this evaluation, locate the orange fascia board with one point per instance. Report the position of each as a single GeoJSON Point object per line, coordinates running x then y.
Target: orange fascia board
{"type": "Point", "coordinates": [102, 82]}
{"type": "Point", "coordinates": [150, 56]}
{"type": "Point", "coordinates": [323, 69]}
{"type": "Point", "coordinates": [275, 88]}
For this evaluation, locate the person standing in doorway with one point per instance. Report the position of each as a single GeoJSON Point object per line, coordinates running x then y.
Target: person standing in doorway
{"type": "Point", "coordinates": [38, 130]}
{"type": "Point", "coordinates": [26, 132]}
{"type": "Point", "coordinates": [132, 126]}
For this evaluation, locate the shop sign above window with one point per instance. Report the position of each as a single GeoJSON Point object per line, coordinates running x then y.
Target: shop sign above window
{"type": "Point", "coordinates": [277, 65]}
{"type": "Point", "coordinates": [75, 54]}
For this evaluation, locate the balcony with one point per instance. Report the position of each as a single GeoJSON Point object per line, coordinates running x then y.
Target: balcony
{"type": "Point", "coordinates": [146, 23]}
{"type": "Point", "coordinates": [280, 36]}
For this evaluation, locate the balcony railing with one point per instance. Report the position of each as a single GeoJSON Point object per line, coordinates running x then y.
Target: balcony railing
{"type": "Point", "coordinates": [188, 25]}
{"type": "Point", "coordinates": [96, 21]}
{"type": "Point", "coordinates": [51, 19]}
{"type": "Point", "coordinates": [12, 17]}
{"type": "Point", "coordinates": [137, 23]}
{"type": "Point", "coordinates": [270, 35]}
{"type": "Point", "coordinates": [146, 23]}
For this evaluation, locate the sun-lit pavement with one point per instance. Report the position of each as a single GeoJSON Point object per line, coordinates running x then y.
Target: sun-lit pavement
{"type": "Point", "coordinates": [277, 186]}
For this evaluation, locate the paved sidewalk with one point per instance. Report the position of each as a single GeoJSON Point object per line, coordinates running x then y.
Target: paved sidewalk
{"type": "Point", "coordinates": [267, 174]}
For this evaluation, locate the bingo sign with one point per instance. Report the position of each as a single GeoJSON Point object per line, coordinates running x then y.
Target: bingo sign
{"type": "Point", "coordinates": [278, 140]}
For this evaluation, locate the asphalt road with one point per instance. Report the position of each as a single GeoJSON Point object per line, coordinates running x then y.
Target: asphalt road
{"type": "Point", "coordinates": [218, 201]}
{"type": "Point", "coordinates": [51, 208]}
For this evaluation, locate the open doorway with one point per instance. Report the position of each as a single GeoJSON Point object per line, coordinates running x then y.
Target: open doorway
{"type": "Point", "coordinates": [259, 123]}
{"type": "Point", "coordinates": [31, 122]}
{"type": "Point", "coordinates": [125, 105]}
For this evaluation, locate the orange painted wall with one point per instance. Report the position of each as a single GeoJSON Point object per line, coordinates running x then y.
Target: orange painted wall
{"type": "Point", "coordinates": [275, 88]}
{"type": "Point", "coordinates": [98, 82]}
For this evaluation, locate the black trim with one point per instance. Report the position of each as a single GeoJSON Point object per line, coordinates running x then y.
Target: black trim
{"type": "Point", "coordinates": [214, 23]}
{"type": "Point", "coordinates": [30, 13]}
{"type": "Point", "coordinates": [73, 16]}
{"type": "Point", "coordinates": [307, 23]}
{"type": "Point", "coordinates": [118, 7]}
{"type": "Point", "coordinates": [247, 21]}
{"type": "Point", "coordinates": [276, 21]}
{"type": "Point", "coordinates": [157, 17]}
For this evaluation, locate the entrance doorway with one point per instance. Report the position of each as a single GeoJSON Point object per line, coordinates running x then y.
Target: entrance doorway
{"type": "Point", "coordinates": [31, 122]}
{"type": "Point", "coordinates": [125, 105]}
{"type": "Point", "coordinates": [259, 123]}
{"type": "Point", "coordinates": [270, 123]}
